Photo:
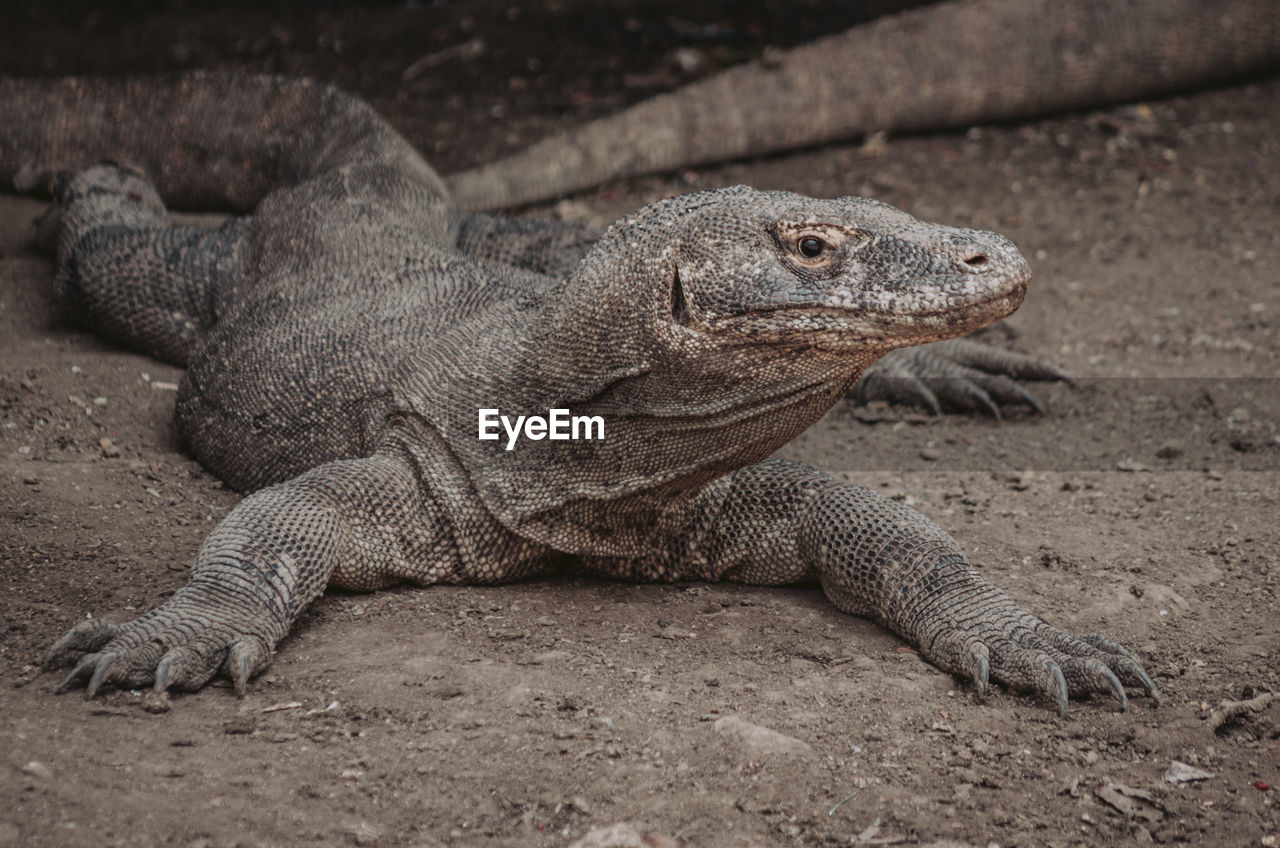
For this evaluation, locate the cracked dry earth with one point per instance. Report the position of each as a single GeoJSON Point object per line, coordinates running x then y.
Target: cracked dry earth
{"type": "Point", "coordinates": [1143, 506]}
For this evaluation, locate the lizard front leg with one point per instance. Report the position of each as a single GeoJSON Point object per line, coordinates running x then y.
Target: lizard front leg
{"type": "Point", "coordinates": [360, 523]}
{"type": "Point", "coordinates": [781, 521]}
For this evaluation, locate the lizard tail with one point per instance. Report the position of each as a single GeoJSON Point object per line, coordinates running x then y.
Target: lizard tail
{"type": "Point", "coordinates": [950, 65]}
{"type": "Point", "coordinates": [207, 140]}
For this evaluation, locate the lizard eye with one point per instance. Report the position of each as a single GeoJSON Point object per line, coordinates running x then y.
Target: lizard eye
{"type": "Point", "coordinates": [810, 247]}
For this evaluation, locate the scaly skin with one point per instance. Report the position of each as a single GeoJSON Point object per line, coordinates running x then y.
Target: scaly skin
{"type": "Point", "coordinates": [340, 339]}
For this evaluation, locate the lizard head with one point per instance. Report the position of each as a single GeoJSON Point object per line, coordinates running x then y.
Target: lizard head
{"type": "Point", "coordinates": [847, 275]}
{"type": "Point", "coordinates": [705, 332]}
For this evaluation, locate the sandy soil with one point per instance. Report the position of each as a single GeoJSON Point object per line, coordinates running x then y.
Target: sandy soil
{"type": "Point", "coordinates": [1144, 506]}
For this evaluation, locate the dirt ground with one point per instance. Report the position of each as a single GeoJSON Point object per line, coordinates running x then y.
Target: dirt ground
{"type": "Point", "coordinates": [1143, 506]}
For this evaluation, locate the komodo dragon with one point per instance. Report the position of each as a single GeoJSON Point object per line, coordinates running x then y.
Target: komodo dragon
{"type": "Point", "coordinates": [949, 65]}
{"type": "Point", "coordinates": [341, 340]}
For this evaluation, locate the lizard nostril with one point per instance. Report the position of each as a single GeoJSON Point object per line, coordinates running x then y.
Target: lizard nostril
{"type": "Point", "coordinates": [977, 260]}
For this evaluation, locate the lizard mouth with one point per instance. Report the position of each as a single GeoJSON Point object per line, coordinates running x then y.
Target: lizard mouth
{"type": "Point", "coordinates": [857, 328]}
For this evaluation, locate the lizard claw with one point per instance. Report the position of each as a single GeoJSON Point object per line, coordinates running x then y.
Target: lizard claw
{"type": "Point", "coordinates": [1110, 646]}
{"type": "Point", "coordinates": [966, 655]}
{"type": "Point", "coordinates": [245, 658]}
{"type": "Point", "coordinates": [164, 673]}
{"type": "Point", "coordinates": [177, 646]}
{"type": "Point", "coordinates": [80, 670]}
{"type": "Point", "coordinates": [982, 675]}
{"type": "Point", "coordinates": [1123, 664]}
{"type": "Point", "coordinates": [105, 662]}
{"type": "Point", "coordinates": [1117, 689]}
{"type": "Point", "coordinates": [1057, 687]}
{"type": "Point", "coordinates": [1024, 653]}
{"type": "Point", "coordinates": [957, 374]}
{"type": "Point", "coordinates": [187, 667]}
{"type": "Point", "coordinates": [85, 637]}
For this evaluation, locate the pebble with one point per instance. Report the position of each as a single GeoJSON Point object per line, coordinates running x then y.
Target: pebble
{"type": "Point", "coordinates": [238, 725]}
{"type": "Point", "coordinates": [757, 740]}
{"type": "Point", "coordinates": [1179, 772]}
{"type": "Point", "coordinates": [38, 770]}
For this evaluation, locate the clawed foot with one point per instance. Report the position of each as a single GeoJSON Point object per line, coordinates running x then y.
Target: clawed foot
{"type": "Point", "coordinates": [1029, 655]}
{"type": "Point", "coordinates": [178, 646]}
{"type": "Point", "coordinates": [958, 374]}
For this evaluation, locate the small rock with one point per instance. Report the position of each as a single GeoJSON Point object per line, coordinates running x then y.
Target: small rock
{"type": "Point", "coordinates": [622, 836]}
{"type": "Point", "coordinates": [37, 770]}
{"type": "Point", "coordinates": [109, 448]}
{"type": "Point", "coordinates": [930, 454]}
{"type": "Point", "coordinates": [239, 725]}
{"type": "Point", "coordinates": [157, 702]}
{"type": "Point", "coordinates": [1183, 773]}
{"type": "Point", "coordinates": [759, 741]}
{"type": "Point", "coordinates": [1132, 802]}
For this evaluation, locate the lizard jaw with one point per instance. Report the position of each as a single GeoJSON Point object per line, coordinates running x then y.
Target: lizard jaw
{"type": "Point", "coordinates": [858, 329]}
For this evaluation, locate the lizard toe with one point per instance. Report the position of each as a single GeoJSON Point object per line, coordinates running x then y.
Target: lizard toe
{"type": "Point", "coordinates": [85, 637]}
{"type": "Point", "coordinates": [117, 664]}
{"type": "Point", "coordinates": [104, 665]}
{"type": "Point", "coordinates": [82, 669]}
{"type": "Point", "coordinates": [187, 667]}
{"type": "Point", "coordinates": [179, 645]}
{"type": "Point", "coordinates": [1131, 672]}
{"type": "Point", "coordinates": [1089, 675]}
{"type": "Point", "coordinates": [963, 654]}
{"type": "Point", "coordinates": [967, 390]}
{"type": "Point", "coordinates": [245, 658]}
{"type": "Point", "coordinates": [1118, 660]}
{"type": "Point", "coordinates": [1037, 674]}
{"type": "Point", "coordinates": [999, 390]}
{"type": "Point", "coordinates": [896, 385]}
{"type": "Point", "coordinates": [958, 374]}
{"type": "Point", "coordinates": [1030, 670]}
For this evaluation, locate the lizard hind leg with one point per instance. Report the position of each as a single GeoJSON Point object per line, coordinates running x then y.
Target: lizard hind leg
{"type": "Point", "coordinates": [127, 273]}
